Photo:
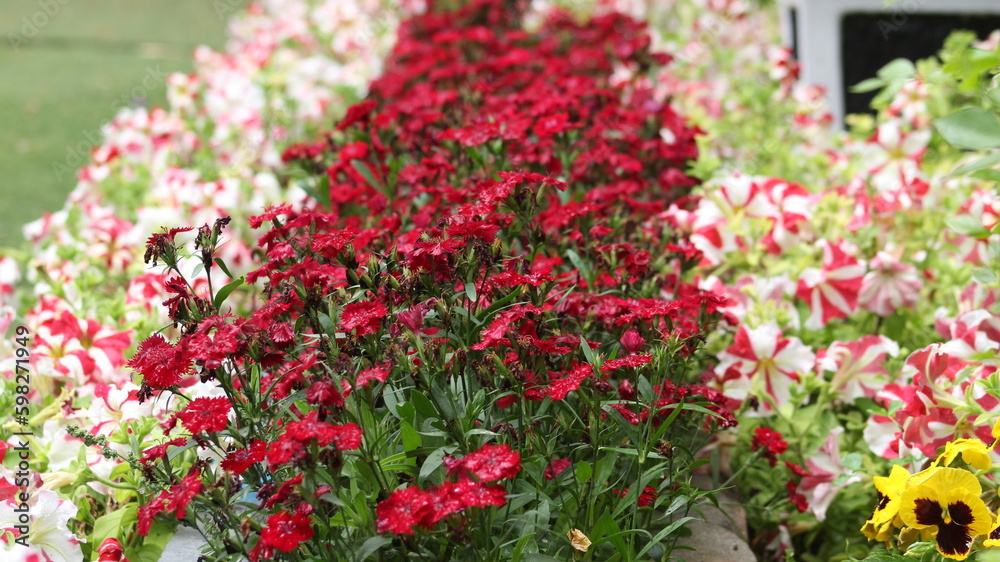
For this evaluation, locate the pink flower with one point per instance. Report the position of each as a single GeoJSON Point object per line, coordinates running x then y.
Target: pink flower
{"type": "Point", "coordinates": [832, 291]}
{"type": "Point", "coordinates": [973, 334]}
{"type": "Point", "coordinates": [892, 156]}
{"type": "Point", "coordinates": [930, 389]}
{"type": "Point", "coordinates": [82, 349]}
{"type": "Point", "coordinates": [824, 467]}
{"type": "Point", "coordinates": [791, 206]}
{"type": "Point", "coordinates": [721, 213]}
{"type": "Point", "coordinates": [857, 366]}
{"type": "Point", "coordinates": [889, 284]}
{"type": "Point", "coordinates": [763, 363]}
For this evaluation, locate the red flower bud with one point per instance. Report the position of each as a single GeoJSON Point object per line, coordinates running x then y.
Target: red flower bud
{"type": "Point", "coordinates": [111, 551]}
{"type": "Point", "coordinates": [413, 318]}
{"type": "Point", "coordinates": [632, 341]}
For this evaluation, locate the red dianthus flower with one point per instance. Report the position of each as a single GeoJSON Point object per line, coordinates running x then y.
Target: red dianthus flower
{"type": "Point", "coordinates": [286, 531]}
{"type": "Point", "coordinates": [206, 414]}
{"type": "Point", "coordinates": [240, 460]}
{"type": "Point", "coordinates": [771, 441]}
{"type": "Point", "coordinates": [160, 363]}
{"type": "Point", "coordinates": [491, 462]}
{"type": "Point", "coordinates": [402, 510]}
{"type": "Point", "coordinates": [364, 316]}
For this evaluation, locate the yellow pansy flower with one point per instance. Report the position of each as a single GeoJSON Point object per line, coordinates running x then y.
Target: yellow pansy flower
{"type": "Point", "coordinates": [889, 488]}
{"type": "Point", "coordinates": [974, 452]}
{"type": "Point", "coordinates": [947, 503]}
{"type": "Point", "coordinates": [993, 539]}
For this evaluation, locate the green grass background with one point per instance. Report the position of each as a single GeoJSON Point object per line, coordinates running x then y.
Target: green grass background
{"type": "Point", "coordinates": [61, 85]}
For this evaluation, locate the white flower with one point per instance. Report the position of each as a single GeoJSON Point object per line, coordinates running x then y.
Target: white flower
{"type": "Point", "coordinates": [49, 536]}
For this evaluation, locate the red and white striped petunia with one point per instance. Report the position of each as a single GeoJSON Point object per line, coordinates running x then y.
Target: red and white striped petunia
{"type": "Point", "coordinates": [857, 366]}
{"type": "Point", "coordinates": [763, 363]}
{"type": "Point", "coordinates": [889, 285]}
{"type": "Point", "coordinates": [831, 291]}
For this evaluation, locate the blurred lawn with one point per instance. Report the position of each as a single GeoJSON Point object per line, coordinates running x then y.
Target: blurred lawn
{"type": "Point", "coordinates": [58, 87]}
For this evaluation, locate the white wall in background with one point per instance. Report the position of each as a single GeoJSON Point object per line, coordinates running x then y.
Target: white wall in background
{"type": "Point", "coordinates": [817, 33]}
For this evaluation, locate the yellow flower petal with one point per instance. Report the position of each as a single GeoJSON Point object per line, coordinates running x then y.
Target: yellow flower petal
{"type": "Point", "coordinates": [889, 488]}
{"type": "Point", "coordinates": [974, 452]}
{"type": "Point", "coordinates": [993, 539]}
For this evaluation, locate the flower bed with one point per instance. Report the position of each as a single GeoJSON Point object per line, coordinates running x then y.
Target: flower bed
{"type": "Point", "coordinates": [511, 302]}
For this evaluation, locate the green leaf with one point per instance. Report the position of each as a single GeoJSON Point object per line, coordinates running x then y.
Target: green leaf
{"type": "Point", "coordinates": [853, 461]}
{"type": "Point", "coordinates": [153, 544]}
{"type": "Point", "coordinates": [664, 533]}
{"type": "Point", "coordinates": [988, 175]}
{"type": "Point", "coordinates": [581, 266]}
{"type": "Point", "coordinates": [327, 323]}
{"type": "Point", "coordinates": [869, 85]}
{"type": "Point", "coordinates": [583, 472]}
{"type": "Point", "coordinates": [898, 69]}
{"type": "Point", "coordinates": [971, 127]}
{"type": "Point", "coordinates": [604, 466]}
{"type": "Point", "coordinates": [886, 556]}
{"type": "Point", "coordinates": [370, 546]}
{"type": "Point", "coordinates": [410, 437]}
{"type": "Point", "coordinates": [606, 529]}
{"type": "Point", "coordinates": [987, 161]}
{"type": "Point", "coordinates": [967, 225]}
{"type": "Point", "coordinates": [321, 196]}
{"type": "Point", "coordinates": [526, 543]}
{"type": "Point", "coordinates": [175, 452]}
{"type": "Point", "coordinates": [984, 276]}
{"type": "Point", "coordinates": [432, 463]}
{"type": "Point", "coordinates": [623, 450]}
{"type": "Point", "coordinates": [111, 523]}
{"type": "Point", "coordinates": [224, 292]}
{"type": "Point", "coordinates": [366, 173]}
{"type": "Point", "coordinates": [222, 266]}
{"type": "Point", "coordinates": [496, 306]}
{"type": "Point", "coordinates": [587, 352]}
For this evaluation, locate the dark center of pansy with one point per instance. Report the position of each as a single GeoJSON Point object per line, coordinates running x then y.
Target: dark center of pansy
{"type": "Point", "coordinates": [961, 513]}
{"type": "Point", "coordinates": [954, 539]}
{"type": "Point", "coordinates": [928, 512]}
{"type": "Point", "coordinates": [883, 500]}
{"type": "Point", "coordinates": [995, 534]}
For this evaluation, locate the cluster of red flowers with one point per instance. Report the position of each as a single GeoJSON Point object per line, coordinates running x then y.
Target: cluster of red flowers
{"type": "Point", "coordinates": [512, 178]}
{"type": "Point", "coordinates": [411, 507]}
{"type": "Point", "coordinates": [174, 500]}
{"type": "Point", "coordinates": [772, 444]}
